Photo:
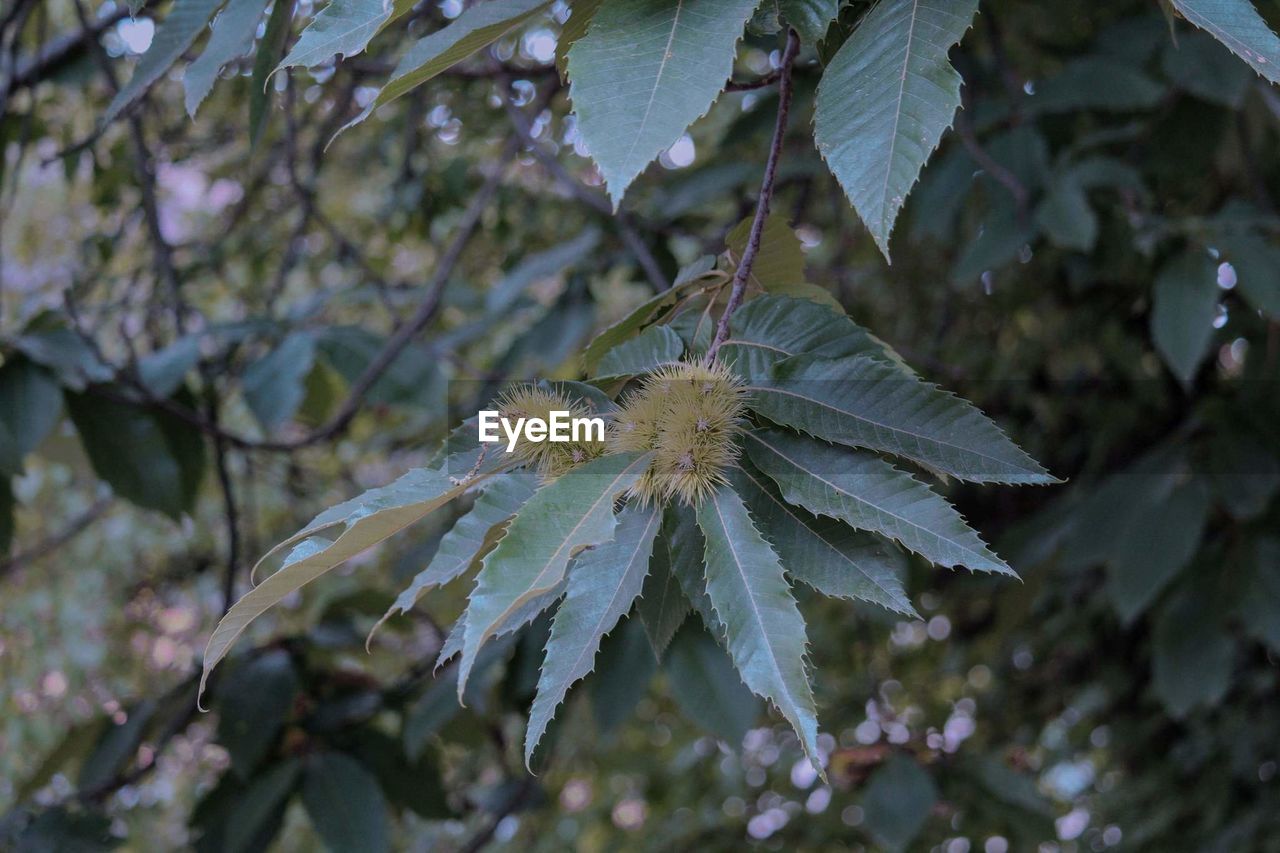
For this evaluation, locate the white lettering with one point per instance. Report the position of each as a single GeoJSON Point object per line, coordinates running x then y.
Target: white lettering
{"type": "Point", "coordinates": [593, 427]}
{"type": "Point", "coordinates": [559, 424]}
{"type": "Point", "coordinates": [513, 434]}
{"type": "Point", "coordinates": [488, 426]}
{"type": "Point", "coordinates": [558, 427]}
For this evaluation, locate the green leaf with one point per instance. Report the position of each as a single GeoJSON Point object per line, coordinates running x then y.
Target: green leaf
{"type": "Point", "coordinates": [413, 378]}
{"type": "Point", "coordinates": [144, 456]}
{"type": "Point", "coordinates": [339, 533]}
{"type": "Point", "coordinates": [1191, 652]}
{"type": "Point", "coordinates": [66, 354]}
{"type": "Point", "coordinates": [269, 50]}
{"type": "Point", "coordinates": [1244, 473]}
{"type": "Point", "coordinates": [176, 33]}
{"type": "Point", "coordinates": [780, 258]}
{"type": "Point", "coordinates": [438, 704]}
{"type": "Point", "coordinates": [899, 798]}
{"type": "Point", "coordinates": [562, 518]}
{"type": "Point", "coordinates": [581, 13]}
{"type": "Point", "coordinates": [1010, 787]}
{"type": "Point", "coordinates": [663, 606]}
{"type": "Point", "coordinates": [770, 328]}
{"type": "Point", "coordinates": [254, 701]}
{"type": "Point", "coordinates": [540, 265]}
{"type": "Point", "coordinates": [1184, 307]}
{"type": "Point", "coordinates": [809, 18]}
{"type": "Point", "coordinates": [10, 458]}
{"type": "Point", "coordinates": [604, 583]}
{"type": "Point", "coordinates": [117, 747]}
{"type": "Point", "coordinates": [275, 385]}
{"type": "Point", "coordinates": [431, 712]}
{"type": "Point", "coordinates": [779, 262]}
{"type": "Point", "coordinates": [77, 740]}
{"type": "Point", "coordinates": [867, 493]}
{"type": "Point", "coordinates": [59, 829]}
{"type": "Point", "coordinates": [822, 553]}
{"type": "Point", "coordinates": [260, 806]}
{"type": "Point", "coordinates": [649, 312]}
{"type": "Point", "coordinates": [6, 515]}
{"type": "Point", "coordinates": [863, 402]}
{"type": "Point", "coordinates": [1203, 67]}
{"type": "Point", "coordinates": [1002, 235]}
{"type": "Point", "coordinates": [345, 804]}
{"type": "Point", "coordinates": [1259, 607]}
{"type": "Point", "coordinates": [645, 71]}
{"type": "Point", "coordinates": [763, 626]}
{"type": "Point", "coordinates": [623, 670]}
{"type": "Point", "coordinates": [1095, 83]}
{"type": "Point", "coordinates": [685, 547]}
{"type": "Point", "coordinates": [164, 371]}
{"type": "Point", "coordinates": [1237, 24]}
{"type": "Point", "coordinates": [1257, 266]}
{"type": "Point", "coordinates": [512, 622]}
{"type": "Point", "coordinates": [707, 687]}
{"type": "Point", "coordinates": [652, 348]}
{"type": "Point", "coordinates": [342, 28]}
{"type": "Point", "coordinates": [231, 39]}
{"type": "Point", "coordinates": [1066, 216]}
{"type": "Point", "coordinates": [30, 403]}
{"type": "Point", "coordinates": [1162, 531]}
{"type": "Point", "coordinates": [471, 537]}
{"type": "Point", "coordinates": [885, 101]}
{"type": "Point", "coordinates": [415, 785]}
{"type": "Point", "coordinates": [477, 27]}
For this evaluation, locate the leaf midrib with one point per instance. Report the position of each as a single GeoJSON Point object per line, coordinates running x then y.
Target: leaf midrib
{"type": "Point", "coordinates": [598, 630]}
{"type": "Point", "coordinates": [657, 80]}
{"type": "Point", "coordinates": [755, 610]}
{"type": "Point", "coordinates": [534, 589]}
{"type": "Point", "coordinates": [897, 429]}
{"type": "Point", "coordinates": [864, 503]}
{"type": "Point", "coordinates": [790, 510]}
{"type": "Point", "coordinates": [885, 220]}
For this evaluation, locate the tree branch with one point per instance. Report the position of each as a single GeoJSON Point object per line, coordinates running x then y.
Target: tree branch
{"type": "Point", "coordinates": [59, 539]}
{"type": "Point", "coordinates": [742, 275]}
{"type": "Point", "coordinates": [396, 344]}
{"type": "Point", "coordinates": [596, 201]}
{"type": "Point", "coordinates": [993, 167]}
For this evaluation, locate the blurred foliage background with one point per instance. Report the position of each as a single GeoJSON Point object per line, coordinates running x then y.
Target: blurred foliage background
{"type": "Point", "coordinates": [184, 313]}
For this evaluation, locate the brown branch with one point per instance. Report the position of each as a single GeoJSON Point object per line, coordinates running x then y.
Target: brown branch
{"type": "Point", "coordinates": [741, 276]}
{"type": "Point", "coordinates": [38, 552]}
{"type": "Point", "coordinates": [751, 85]}
{"type": "Point", "coordinates": [230, 510]}
{"type": "Point", "coordinates": [993, 167]}
{"type": "Point", "coordinates": [516, 802]}
{"type": "Point", "coordinates": [59, 52]}
{"type": "Point", "coordinates": [396, 344]}
{"type": "Point", "coordinates": [166, 272]}
{"type": "Point", "coordinates": [596, 201]}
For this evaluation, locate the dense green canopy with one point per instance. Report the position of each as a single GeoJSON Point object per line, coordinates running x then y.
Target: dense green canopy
{"type": "Point", "coordinates": [938, 340]}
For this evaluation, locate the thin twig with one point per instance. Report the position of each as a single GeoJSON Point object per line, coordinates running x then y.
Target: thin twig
{"type": "Point", "coordinates": [751, 85]}
{"type": "Point", "coordinates": [38, 552]}
{"type": "Point", "coordinates": [516, 802]}
{"type": "Point", "coordinates": [230, 510]}
{"type": "Point", "coordinates": [993, 167]}
{"type": "Point", "coordinates": [166, 272]}
{"type": "Point", "coordinates": [742, 275]}
{"type": "Point", "coordinates": [395, 345]}
{"type": "Point", "coordinates": [59, 52]}
{"type": "Point", "coordinates": [596, 201]}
